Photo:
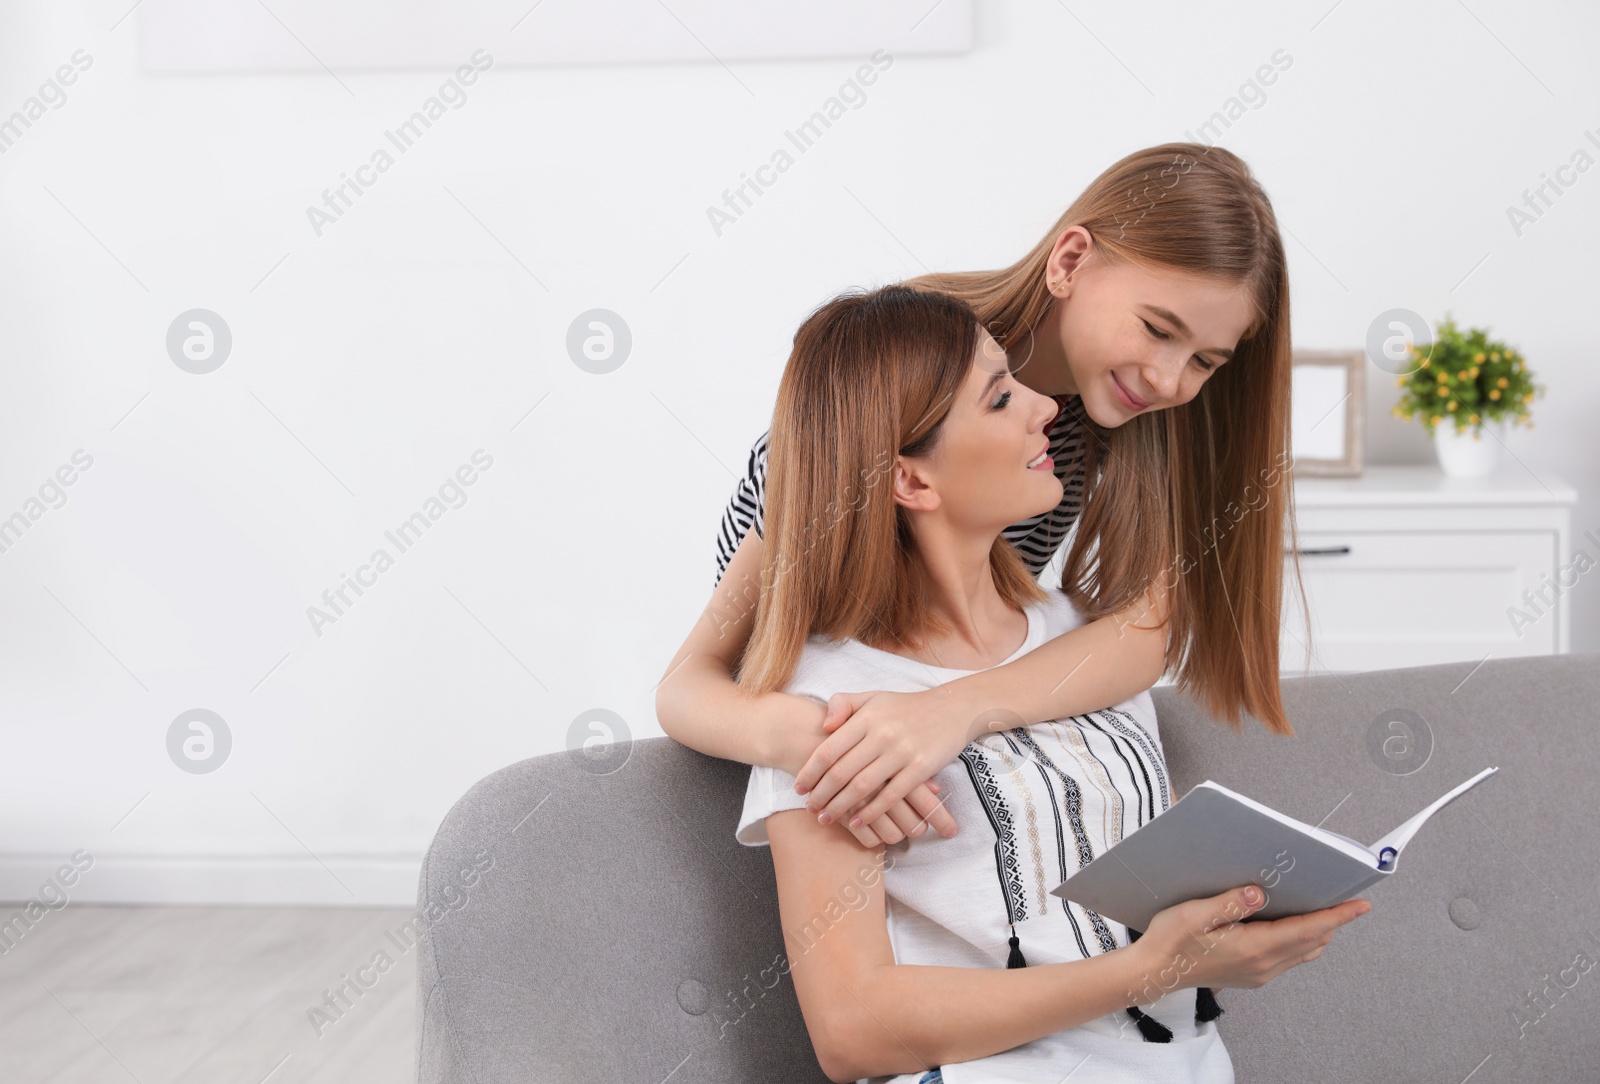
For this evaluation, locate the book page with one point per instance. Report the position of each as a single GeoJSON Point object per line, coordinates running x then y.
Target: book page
{"type": "Point", "coordinates": [1402, 835]}
{"type": "Point", "coordinates": [1343, 844]}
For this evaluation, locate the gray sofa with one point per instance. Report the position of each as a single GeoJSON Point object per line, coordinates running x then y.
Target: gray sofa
{"type": "Point", "coordinates": [598, 922]}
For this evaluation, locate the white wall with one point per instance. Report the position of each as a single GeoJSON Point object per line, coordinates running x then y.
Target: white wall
{"type": "Point", "coordinates": [371, 362]}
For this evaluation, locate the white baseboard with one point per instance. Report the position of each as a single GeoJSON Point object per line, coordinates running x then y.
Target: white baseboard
{"type": "Point", "coordinates": [262, 880]}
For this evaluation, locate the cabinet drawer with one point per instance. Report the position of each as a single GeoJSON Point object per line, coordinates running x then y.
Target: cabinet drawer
{"type": "Point", "coordinates": [1397, 599]}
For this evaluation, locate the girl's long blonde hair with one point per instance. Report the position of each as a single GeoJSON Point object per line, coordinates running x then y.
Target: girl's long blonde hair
{"type": "Point", "coordinates": [1196, 498]}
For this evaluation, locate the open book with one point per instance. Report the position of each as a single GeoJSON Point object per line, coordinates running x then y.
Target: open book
{"type": "Point", "coordinates": [1212, 840]}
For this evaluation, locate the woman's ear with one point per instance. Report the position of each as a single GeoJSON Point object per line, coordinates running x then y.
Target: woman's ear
{"type": "Point", "coordinates": [911, 488]}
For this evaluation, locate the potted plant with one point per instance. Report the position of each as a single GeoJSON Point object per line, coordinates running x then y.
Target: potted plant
{"type": "Point", "coordinates": [1463, 383]}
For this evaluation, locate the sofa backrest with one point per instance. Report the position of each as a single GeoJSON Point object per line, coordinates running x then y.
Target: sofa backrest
{"type": "Point", "coordinates": [598, 921]}
{"type": "Point", "coordinates": [582, 927]}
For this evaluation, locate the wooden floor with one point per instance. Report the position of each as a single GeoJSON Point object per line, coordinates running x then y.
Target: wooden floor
{"type": "Point", "coordinates": [208, 995]}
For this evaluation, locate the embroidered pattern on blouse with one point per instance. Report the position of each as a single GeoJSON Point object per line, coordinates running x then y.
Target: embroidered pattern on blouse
{"type": "Point", "coordinates": [1072, 737]}
{"type": "Point", "coordinates": [1030, 815]}
{"type": "Point", "coordinates": [1131, 729]}
{"type": "Point", "coordinates": [1102, 932]}
{"type": "Point", "coordinates": [1000, 819]}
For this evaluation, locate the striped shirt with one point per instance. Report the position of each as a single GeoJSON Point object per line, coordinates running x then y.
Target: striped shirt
{"type": "Point", "coordinates": [1035, 539]}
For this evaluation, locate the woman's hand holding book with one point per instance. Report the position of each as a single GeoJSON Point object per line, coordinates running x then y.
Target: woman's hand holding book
{"type": "Point", "coordinates": [1204, 942]}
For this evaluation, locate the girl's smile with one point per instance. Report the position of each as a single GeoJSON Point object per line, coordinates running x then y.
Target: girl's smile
{"type": "Point", "coordinates": [1128, 400]}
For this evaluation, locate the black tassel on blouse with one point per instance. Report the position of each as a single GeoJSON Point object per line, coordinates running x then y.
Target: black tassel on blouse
{"type": "Point", "coordinates": [1015, 959]}
{"type": "Point", "coordinates": [1206, 1008]}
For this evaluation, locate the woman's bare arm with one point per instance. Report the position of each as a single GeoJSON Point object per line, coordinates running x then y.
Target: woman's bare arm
{"type": "Point", "coordinates": [868, 1016]}
{"type": "Point", "coordinates": [699, 704]}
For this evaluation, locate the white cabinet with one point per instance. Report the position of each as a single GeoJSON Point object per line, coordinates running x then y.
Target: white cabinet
{"type": "Point", "coordinates": [1404, 566]}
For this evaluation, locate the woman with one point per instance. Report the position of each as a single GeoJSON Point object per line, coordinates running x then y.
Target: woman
{"type": "Point", "coordinates": [1156, 314]}
{"type": "Point", "coordinates": [901, 448]}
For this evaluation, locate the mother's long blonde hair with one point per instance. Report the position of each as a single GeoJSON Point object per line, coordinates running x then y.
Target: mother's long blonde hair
{"type": "Point", "coordinates": [1196, 498]}
{"type": "Point", "coordinates": [872, 375]}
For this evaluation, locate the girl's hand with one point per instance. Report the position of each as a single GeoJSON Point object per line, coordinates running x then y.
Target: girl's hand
{"type": "Point", "coordinates": [880, 747]}
{"type": "Point", "coordinates": [908, 817]}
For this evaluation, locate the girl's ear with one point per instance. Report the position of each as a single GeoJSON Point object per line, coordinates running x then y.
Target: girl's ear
{"type": "Point", "coordinates": [1073, 248]}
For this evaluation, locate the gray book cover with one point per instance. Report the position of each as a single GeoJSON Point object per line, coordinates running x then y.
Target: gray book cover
{"type": "Point", "coordinates": [1213, 839]}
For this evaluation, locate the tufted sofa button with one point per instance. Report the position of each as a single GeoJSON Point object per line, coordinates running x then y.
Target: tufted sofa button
{"type": "Point", "coordinates": [1465, 913]}
{"type": "Point", "coordinates": [692, 997]}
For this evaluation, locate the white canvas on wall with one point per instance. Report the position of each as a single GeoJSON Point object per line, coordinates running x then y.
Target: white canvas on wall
{"type": "Point", "coordinates": [189, 36]}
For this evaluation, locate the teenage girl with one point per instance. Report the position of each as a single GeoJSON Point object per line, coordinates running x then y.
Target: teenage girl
{"type": "Point", "coordinates": [1155, 313]}
{"type": "Point", "coordinates": [947, 959]}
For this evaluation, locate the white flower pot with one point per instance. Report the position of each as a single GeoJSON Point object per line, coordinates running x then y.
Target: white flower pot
{"type": "Point", "coordinates": [1470, 453]}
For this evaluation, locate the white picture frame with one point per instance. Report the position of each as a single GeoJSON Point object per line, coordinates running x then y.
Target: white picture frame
{"type": "Point", "coordinates": [1327, 407]}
